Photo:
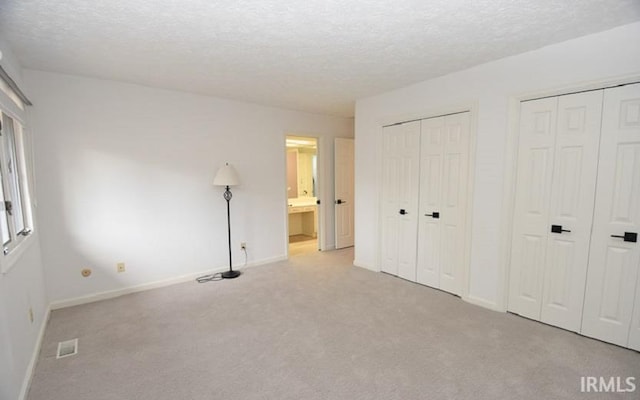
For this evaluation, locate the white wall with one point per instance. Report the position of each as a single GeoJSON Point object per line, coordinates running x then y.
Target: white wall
{"type": "Point", "coordinates": [489, 88]}
{"type": "Point", "coordinates": [124, 175]}
{"type": "Point", "coordinates": [21, 288]}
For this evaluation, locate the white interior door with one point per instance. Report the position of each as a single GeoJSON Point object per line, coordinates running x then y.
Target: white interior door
{"type": "Point", "coordinates": [531, 212]}
{"type": "Point", "coordinates": [399, 203]}
{"type": "Point", "coordinates": [612, 279]}
{"type": "Point", "coordinates": [344, 187]}
{"type": "Point", "coordinates": [431, 160]}
{"type": "Point", "coordinates": [444, 169]}
{"type": "Point", "coordinates": [571, 210]}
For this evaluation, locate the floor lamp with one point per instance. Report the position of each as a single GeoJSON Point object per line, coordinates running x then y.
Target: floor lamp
{"type": "Point", "coordinates": [227, 177]}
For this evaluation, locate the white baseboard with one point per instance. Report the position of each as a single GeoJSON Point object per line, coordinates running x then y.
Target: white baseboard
{"type": "Point", "coordinates": [483, 303]}
{"type": "Point", "coordinates": [359, 264]}
{"type": "Point", "coordinates": [26, 383]}
{"type": "Point", "coordinates": [478, 301]}
{"type": "Point", "coordinates": [110, 294]}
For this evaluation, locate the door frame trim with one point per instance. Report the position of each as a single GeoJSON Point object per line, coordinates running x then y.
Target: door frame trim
{"type": "Point", "coordinates": [472, 109]}
{"type": "Point", "coordinates": [511, 162]}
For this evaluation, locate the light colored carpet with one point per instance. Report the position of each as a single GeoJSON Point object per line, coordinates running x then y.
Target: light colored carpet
{"type": "Point", "coordinates": [314, 328]}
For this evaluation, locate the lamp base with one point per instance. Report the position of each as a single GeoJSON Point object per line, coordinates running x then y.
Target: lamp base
{"type": "Point", "coordinates": [231, 274]}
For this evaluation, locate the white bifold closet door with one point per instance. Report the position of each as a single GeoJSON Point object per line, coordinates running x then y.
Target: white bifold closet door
{"type": "Point", "coordinates": [401, 159]}
{"type": "Point", "coordinates": [444, 158]}
{"type": "Point", "coordinates": [612, 302]}
{"type": "Point", "coordinates": [555, 189]}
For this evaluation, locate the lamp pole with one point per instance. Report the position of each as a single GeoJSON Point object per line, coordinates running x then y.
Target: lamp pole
{"type": "Point", "coordinates": [231, 273]}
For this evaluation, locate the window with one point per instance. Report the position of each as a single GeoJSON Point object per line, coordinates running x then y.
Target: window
{"type": "Point", "coordinates": [16, 219]}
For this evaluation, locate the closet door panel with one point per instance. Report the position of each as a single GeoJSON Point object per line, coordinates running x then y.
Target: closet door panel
{"type": "Point", "coordinates": [610, 289]}
{"type": "Point", "coordinates": [453, 209]}
{"type": "Point", "coordinates": [407, 235]}
{"type": "Point", "coordinates": [612, 279]}
{"type": "Point", "coordinates": [448, 270]}
{"type": "Point", "coordinates": [390, 245]}
{"type": "Point", "coordinates": [409, 186]}
{"type": "Point", "coordinates": [531, 213]}
{"type": "Point", "coordinates": [571, 207]}
{"type": "Point", "coordinates": [431, 166]}
{"type": "Point", "coordinates": [443, 192]}
{"type": "Point", "coordinates": [401, 147]}
{"type": "Point", "coordinates": [390, 191]}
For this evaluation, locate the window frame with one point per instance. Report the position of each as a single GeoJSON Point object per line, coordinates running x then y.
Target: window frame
{"type": "Point", "coordinates": [23, 162]}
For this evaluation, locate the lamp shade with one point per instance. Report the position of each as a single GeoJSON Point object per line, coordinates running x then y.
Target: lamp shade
{"type": "Point", "coordinates": [226, 176]}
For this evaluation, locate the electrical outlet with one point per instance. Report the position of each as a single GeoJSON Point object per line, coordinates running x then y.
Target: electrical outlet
{"type": "Point", "coordinates": [121, 267]}
{"type": "Point", "coordinates": [243, 245]}
{"type": "Point", "coordinates": [31, 314]}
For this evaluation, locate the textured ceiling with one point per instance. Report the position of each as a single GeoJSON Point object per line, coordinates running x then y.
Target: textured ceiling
{"type": "Point", "coordinates": [313, 55]}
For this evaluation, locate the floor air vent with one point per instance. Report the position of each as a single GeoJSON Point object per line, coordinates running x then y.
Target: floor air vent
{"type": "Point", "coordinates": [67, 348]}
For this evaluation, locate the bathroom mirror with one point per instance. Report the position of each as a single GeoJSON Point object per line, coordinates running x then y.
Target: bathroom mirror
{"type": "Point", "coordinates": [302, 162]}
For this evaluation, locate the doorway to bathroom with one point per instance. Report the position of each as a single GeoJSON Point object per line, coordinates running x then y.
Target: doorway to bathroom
{"type": "Point", "coordinates": [302, 194]}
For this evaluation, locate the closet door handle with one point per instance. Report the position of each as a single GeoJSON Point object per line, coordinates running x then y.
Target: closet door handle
{"type": "Point", "coordinates": [558, 229]}
{"type": "Point", "coordinates": [628, 237]}
{"type": "Point", "coordinates": [403, 212]}
{"type": "Point", "coordinates": [435, 215]}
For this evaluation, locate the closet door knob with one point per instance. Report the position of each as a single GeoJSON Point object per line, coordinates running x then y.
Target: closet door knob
{"type": "Point", "coordinates": [558, 229]}
{"type": "Point", "coordinates": [435, 215]}
{"type": "Point", "coordinates": [628, 237]}
{"type": "Point", "coordinates": [403, 212]}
